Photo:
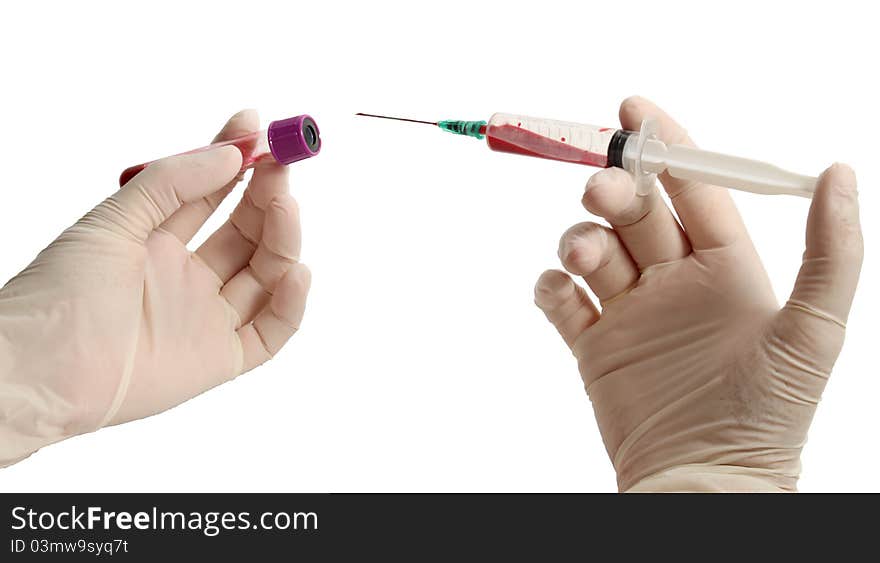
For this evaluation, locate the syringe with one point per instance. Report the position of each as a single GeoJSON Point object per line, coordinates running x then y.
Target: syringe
{"type": "Point", "coordinates": [640, 153]}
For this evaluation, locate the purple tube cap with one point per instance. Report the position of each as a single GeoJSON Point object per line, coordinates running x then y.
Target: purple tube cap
{"type": "Point", "coordinates": [294, 139]}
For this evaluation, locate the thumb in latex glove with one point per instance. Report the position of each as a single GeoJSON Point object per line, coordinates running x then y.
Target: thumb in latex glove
{"type": "Point", "coordinates": [699, 381]}
{"type": "Point", "coordinates": [116, 320]}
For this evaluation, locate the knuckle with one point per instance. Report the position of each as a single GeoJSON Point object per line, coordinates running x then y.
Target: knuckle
{"type": "Point", "coordinates": [285, 205]}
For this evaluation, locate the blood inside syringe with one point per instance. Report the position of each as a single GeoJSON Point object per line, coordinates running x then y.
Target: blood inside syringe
{"type": "Point", "coordinates": [249, 145]}
{"type": "Point", "coordinates": [513, 139]}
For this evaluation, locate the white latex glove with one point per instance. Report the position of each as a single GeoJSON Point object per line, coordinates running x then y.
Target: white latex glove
{"type": "Point", "coordinates": [116, 320]}
{"type": "Point", "coordinates": [699, 381]}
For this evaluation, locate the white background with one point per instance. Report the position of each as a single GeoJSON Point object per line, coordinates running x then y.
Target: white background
{"type": "Point", "coordinates": [422, 363]}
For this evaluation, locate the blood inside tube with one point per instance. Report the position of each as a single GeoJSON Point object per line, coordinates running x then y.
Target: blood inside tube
{"type": "Point", "coordinates": [252, 151]}
{"type": "Point", "coordinates": [517, 140]}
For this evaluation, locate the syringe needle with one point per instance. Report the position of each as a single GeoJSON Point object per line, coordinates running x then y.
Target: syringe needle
{"type": "Point", "coordinates": [475, 129]}
{"type": "Point", "coordinates": [397, 118]}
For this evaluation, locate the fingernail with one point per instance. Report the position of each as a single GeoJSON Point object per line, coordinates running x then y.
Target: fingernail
{"type": "Point", "coordinates": [560, 250]}
{"type": "Point", "coordinates": [843, 174]}
{"type": "Point", "coordinates": [601, 177]}
{"type": "Point", "coordinates": [632, 101]}
{"type": "Point", "coordinates": [551, 283]}
{"type": "Point", "coordinates": [842, 179]}
{"type": "Point", "coordinates": [594, 181]}
{"type": "Point", "coordinates": [564, 246]}
{"type": "Point", "coordinates": [242, 113]}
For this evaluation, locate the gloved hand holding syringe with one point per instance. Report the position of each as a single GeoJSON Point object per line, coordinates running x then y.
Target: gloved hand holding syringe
{"type": "Point", "coordinates": [640, 153]}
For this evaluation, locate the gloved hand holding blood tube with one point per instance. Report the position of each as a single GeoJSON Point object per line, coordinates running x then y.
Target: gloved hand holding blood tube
{"type": "Point", "coordinates": [152, 323]}
{"type": "Point", "coordinates": [286, 141]}
{"type": "Point", "coordinates": [640, 153]}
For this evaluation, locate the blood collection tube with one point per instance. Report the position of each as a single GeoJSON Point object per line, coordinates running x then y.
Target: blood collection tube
{"type": "Point", "coordinates": [286, 141]}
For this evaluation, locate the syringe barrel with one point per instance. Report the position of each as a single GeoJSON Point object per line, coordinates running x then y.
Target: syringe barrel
{"type": "Point", "coordinates": [547, 138]}
{"type": "Point", "coordinates": [285, 141]}
{"type": "Point", "coordinates": [640, 153]}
